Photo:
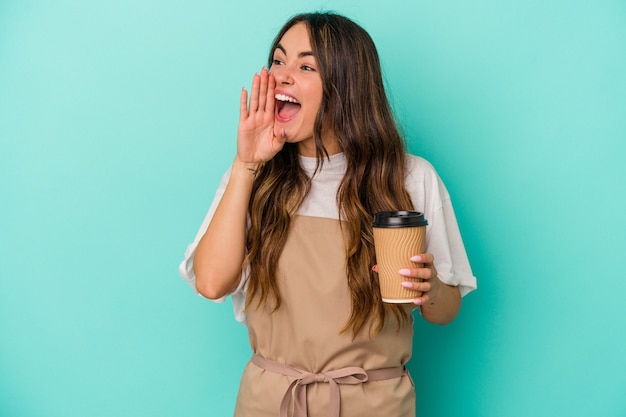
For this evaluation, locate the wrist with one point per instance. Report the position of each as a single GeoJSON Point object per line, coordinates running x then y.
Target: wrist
{"type": "Point", "coordinates": [250, 169]}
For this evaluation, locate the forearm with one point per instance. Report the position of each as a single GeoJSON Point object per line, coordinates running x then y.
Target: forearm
{"type": "Point", "coordinates": [220, 252]}
{"type": "Point", "coordinates": [443, 306]}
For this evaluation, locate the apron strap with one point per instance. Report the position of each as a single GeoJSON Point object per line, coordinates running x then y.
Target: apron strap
{"type": "Point", "coordinates": [296, 391]}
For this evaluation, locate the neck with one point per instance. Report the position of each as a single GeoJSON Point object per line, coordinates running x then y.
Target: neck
{"type": "Point", "coordinates": [307, 147]}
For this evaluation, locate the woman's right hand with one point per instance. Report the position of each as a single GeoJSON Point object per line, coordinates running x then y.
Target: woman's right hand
{"type": "Point", "coordinates": [256, 141]}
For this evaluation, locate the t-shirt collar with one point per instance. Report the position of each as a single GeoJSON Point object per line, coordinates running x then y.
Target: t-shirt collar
{"type": "Point", "coordinates": [334, 164]}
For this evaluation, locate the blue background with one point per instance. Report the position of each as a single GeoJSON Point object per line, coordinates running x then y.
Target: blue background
{"type": "Point", "coordinates": [118, 118]}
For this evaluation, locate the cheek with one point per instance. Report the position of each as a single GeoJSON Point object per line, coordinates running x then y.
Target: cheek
{"type": "Point", "coordinates": [311, 115]}
{"type": "Point", "coordinates": [316, 103]}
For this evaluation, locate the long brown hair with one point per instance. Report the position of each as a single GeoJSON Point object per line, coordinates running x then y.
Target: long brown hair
{"type": "Point", "coordinates": [355, 107]}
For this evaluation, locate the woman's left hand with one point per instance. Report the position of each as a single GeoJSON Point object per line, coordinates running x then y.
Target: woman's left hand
{"type": "Point", "coordinates": [429, 284]}
{"type": "Point", "coordinates": [439, 302]}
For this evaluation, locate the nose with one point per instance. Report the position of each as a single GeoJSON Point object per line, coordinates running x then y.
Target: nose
{"type": "Point", "coordinates": [282, 74]}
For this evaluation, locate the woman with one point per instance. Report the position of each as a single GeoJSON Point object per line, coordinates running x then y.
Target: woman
{"type": "Point", "coordinates": [289, 233]}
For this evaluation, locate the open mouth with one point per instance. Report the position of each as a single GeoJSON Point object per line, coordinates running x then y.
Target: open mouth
{"type": "Point", "coordinates": [286, 107]}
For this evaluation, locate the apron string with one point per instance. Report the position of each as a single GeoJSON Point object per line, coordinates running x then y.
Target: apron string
{"type": "Point", "coordinates": [296, 391]}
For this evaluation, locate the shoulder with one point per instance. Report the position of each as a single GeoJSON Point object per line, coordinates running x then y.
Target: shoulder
{"type": "Point", "coordinates": [418, 166]}
{"type": "Point", "coordinates": [419, 170]}
{"type": "Point", "coordinates": [423, 182]}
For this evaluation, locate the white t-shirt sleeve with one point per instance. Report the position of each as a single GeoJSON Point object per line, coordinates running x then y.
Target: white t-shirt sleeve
{"type": "Point", "coordinates": [186, 266]}
{"type": "Point", "coordinates": [443, 238]}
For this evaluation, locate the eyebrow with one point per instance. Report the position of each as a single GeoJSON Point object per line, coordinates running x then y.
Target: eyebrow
{"type": "Point", "coordinates": [300, 55]}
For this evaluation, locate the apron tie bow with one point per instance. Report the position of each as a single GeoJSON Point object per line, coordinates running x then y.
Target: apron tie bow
{"type": "Point", "coordinates": [296, 392]}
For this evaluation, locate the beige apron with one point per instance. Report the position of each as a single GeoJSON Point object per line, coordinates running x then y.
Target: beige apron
{"type": "Point", "coordinates": [301, 358]}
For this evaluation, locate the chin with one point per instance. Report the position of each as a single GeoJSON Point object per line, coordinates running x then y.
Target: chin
{"type": "Point", "coordinates": [294, 135]}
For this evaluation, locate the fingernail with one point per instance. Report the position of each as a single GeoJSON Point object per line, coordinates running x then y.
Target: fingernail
{"type": "Point", "coordinates": [407, 284]}
{"type": "Point", "coordinates": [283, 132]}
{"type": "Point", "coordinates": [416, 258]}
{"type": "Point", "coordinates": [406, 272]}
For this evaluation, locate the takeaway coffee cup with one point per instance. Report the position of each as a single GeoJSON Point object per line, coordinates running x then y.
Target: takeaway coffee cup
{"type": "Point", "coordinates": [398, 235]}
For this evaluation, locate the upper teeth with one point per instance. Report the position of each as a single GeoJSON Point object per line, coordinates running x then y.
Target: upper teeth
{"type": "Point", "coordinates": [283, 97]}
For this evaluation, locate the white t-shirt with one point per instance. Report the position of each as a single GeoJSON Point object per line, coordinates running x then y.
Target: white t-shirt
{"type": "Point", "coordinates": [429, 196]}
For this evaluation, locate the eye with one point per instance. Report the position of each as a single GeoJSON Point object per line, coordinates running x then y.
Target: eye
{"type": "Point", "coordinates": [277, 62]}
{"type": "Point", "coordinates": [307, 68]}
